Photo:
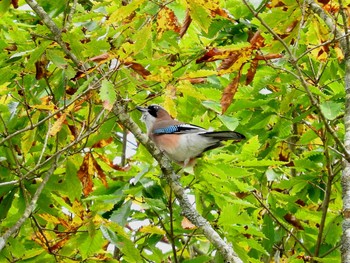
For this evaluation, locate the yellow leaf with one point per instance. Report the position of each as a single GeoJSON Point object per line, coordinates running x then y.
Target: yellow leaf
{"type": "Point", "coordinates": [50, 218]}
{"type": "Point", "coordinates": [123, 12]}
{"type": "Point", "coordinates": [166, 20]}
{"type": "Point", "coordinates": [152, 230]}
{"type": "Point", "coordinates": [44, 107]}
{"type": "Point", "coordinates": [28, 139]}
{"type": "Point", "coordinates": [57, 126]}
{"type": "Point", "coordinates": [169, 102]}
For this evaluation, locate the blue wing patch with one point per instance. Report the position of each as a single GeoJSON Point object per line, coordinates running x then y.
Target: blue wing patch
{"type": "Point", "coordinates": [167, 130]}
{"type": "Point", "coordinates": [181, 128]}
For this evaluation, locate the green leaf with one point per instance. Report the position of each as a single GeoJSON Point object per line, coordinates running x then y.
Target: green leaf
{"type": "Point", "coordinates": [230, 122]}
{"type": "Point", "coordinates": [258, 163]}
{"type": "Point", "coordinates": [108, 94]}
{"type": "Point", "coordinates": [199, 259]}
{"type": "Point", "coordinates": [331, 109]}
{"type": "Point", "coordinates": [122, 214]}
{"type": "Point", "coordinates": [4, 6]}
{"type": "Point", "coordinates": [57, 58]}
{"type": "Point", "coordinates": [29, 136]}
{"type": "Point", "coordinates": [250, 148]}
{"type": "Point", "coordinates": [123, 12]}
{"type": "Point", "coordinates": [6, 203]}
{"type": "Point", "coordinates": [120, 240]}
{"type": "Point", "coordinates": [200, 15]}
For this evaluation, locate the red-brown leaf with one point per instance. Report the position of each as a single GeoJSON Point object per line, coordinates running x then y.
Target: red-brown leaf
{"type": "Point", "coordinates": [85, 174]}
{"type": "Point", "coordinates": [209, 55]}
{"type": "Point", "coordinates": [103, 143]}
{"type": "Point", "coordinates": [257, 40]}
{"type": "Point", "coordinates": [291, 219]}
{"type": "Point", "coordinates": [167, 20]}
{"type": "Point", "coordinates": [100, 173]}
{"type": "Point", "coordinates": [100, 58]}
{"type": "Point", "coordinates": [14, 3]}
{"type": "Point", "coordinates": [229, 92]}
{"type": "Point", "coordinates": [138, 68]}
{"type": "Point", "coordinates": [229, 61]}
{"type": "Point", "coordinates": [251, 71]}
{"type": "Point", "coordinates": [267, 57]}
{"type": "Point", "coordinates": [186, 23]}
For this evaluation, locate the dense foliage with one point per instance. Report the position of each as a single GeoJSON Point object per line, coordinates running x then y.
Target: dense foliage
{"type": "Point", "coordinates": [271, 71]}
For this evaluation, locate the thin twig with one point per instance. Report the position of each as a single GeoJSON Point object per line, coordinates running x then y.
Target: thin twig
{"type": "Point", "coordinates": [54, 30]}
{"type": "Point", "coordinates": [30, 208]}
{"type": "Point", "coordinates": [299, 73]}
{"type": "Point", "coordinates": [327, 198]}
{"type": "Point", "coordinates": [282, 225]}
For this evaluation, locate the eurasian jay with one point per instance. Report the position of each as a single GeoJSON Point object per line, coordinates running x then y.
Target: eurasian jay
{"type": "Point", "coordinates": [181, 142]}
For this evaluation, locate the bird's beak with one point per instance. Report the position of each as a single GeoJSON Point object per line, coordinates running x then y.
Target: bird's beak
{"type": "Point", "coordinates": [141, 109]}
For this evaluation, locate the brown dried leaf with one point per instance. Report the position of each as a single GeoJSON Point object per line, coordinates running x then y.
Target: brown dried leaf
{"type": "Point", "coordinates": [85, 173]}
{"type": "Point", "coordinates": [138, 68]}
{"type": "Point", "coordinates": [291, 219]}
{"type": "Point", "coordinates": [81, 74]}
{"type": "Point", "coordinates": [112, 165]}
{"type": "Point", "coordinates": [251, 71]}
{"type": "Point", "coordinates": [103, 143]}
{"type": "Point", "coordinates": [100, 58]}
{"type": "Point", "coordinates": [100, 173]}
{"type": "Point", "coordinates": [229, 61]}
{"type": "Point", "coordinates": [186, 224]}
{"type": "Point", "coordinates": [230, 92]}
{"type": "Point", "coordinates": [186, 24]}
{"type": "Point", "coordinates": [257, 40]}
{"type": "Point", "coordinates": [12, 47]}
{"type": "Point", "coordinates": [210, 55]}
{"type": "Point", "coordinates": [40, 68]}
{"type": "Point", "coordinates": [14, 3]}
{"type": "Point", "coordinates": [267, 57]}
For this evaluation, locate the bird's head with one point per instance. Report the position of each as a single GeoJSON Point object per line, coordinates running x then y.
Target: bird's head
{"type": "Point", "coordinates": [153, 113]}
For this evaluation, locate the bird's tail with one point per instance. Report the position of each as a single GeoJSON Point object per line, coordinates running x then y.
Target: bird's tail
{"type": "Point", "coordinates": [224, 135]}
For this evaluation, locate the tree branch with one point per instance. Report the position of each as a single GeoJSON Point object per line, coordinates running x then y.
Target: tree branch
{"type": "Point", "coordinates": [54, 30]}
{"type": "Point", "coordinates": [301, 78]}
{"type": "Point", "coordinates": [188, 210]}
{"type": "Point", "coordinates": [30, 208]}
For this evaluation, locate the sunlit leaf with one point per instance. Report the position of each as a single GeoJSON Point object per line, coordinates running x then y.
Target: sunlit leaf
{"type": "Point", "coordinates": [108, 94]}
{"type": "Point", "coordinates": [331, 109]}
{"type": "Point", "coordinates": [152, 230]}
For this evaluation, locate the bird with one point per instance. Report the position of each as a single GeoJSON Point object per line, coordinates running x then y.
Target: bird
{"type": "Point", "coordinates": [181, 142]}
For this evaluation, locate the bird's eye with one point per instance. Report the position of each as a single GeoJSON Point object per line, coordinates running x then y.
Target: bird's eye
{"type": "Point", "coordinates": [153, 109]}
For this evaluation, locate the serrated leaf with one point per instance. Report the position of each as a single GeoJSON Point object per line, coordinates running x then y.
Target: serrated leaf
{"type": "Point", "coordinates": [121, 215]}
{"type": "Point", "coordinates": [258, 163]}
{"type": "Point", "coordinates": [331, 109]}
{"type": "Point", "coordinates": [230, 122]}
{"type": "Point", "coordinates": [200, 74]}
{"type": "Point", "coordinates": [212, 105]}
{"type": "Point", "coordinates": [150, 229]}
{"type": "Point", "coordinates": [250, 148]}
{"type": "Point", "coordinates": [200, 15]}
{"type": "Point", "coordinates": [124, 11]}
{"type": "Point", "coordinates": [107, 94]}
{"type": "Point", "coordinates": [120, 240]}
